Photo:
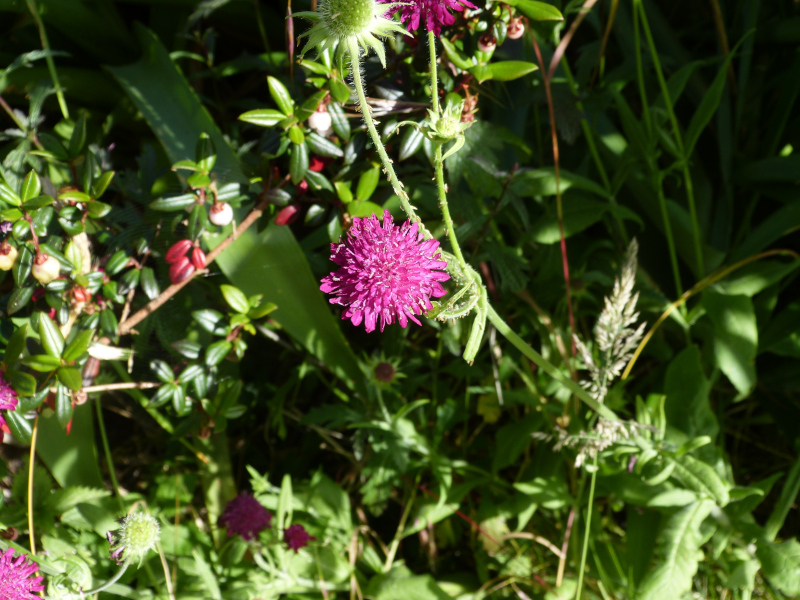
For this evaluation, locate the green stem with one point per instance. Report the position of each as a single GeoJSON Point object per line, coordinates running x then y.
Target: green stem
{"type": "Point", "coordinates": [107, 450]}
{"type": "Point", "coordinates": [676, 132]}
{"type": "Point", "coordinates": [111, 581]}
{"type": "Point", "coordinates": [506, 331]}
{"type": "Point", "coordinates": [51, 65]}
{"type": "Point", "coordinates": [434, 74]}
{"type": "Point", "coordinates": [662, 202]}
{"type": "Point", "coordinates": [355, 63]}
{"type": "Point", "coordinates": [586, 533]}
{"type": "Point", "coordinates": [398, 536]}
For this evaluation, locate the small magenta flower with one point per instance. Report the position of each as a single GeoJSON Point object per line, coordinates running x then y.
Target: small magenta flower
{"type": "Point", "coordinates": [8, 401]}
{"type": "Point", "coordinates": [433, 13]}
{"type": "Point", "coordinates": [16, 582]}
{"type": "Point", "coordinates": [296, 537]}
{"type": "Point", "coordinates": [388, 272]}
{"type": "Point", "coordinates": [245, 516]}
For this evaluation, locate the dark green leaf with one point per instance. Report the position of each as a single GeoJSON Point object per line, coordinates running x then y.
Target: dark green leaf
{"type": "Point", "coordinates": [149, 283]}
{"type": "Point", "coordinates": [63, 405]}
{"type": "Point", "coordinates": [280, 95]}
{"type": "Point", "coordinates": [298, 164]}
{"type": "Point", "coordinates": [173, 203]}
{"type": "Point", "coordinates": [31, 187]}
{"type": "Point", "coordinates": [78, 346]}
{"type": "Point", "coordinates": [78, 138]}
{"type": "Point", "coordinates": [264, 117]}
{"type": "Point", "coordinates": [538, 11]}
{"type": "Point", "coordinates": [339, 121]}
{"type": "Point", "coordinates": [20, 427]}
{"type": "Point", "coordinates": [198, 221]}
{"type": "Point", "coordinates": [162, 371]}
{"type": "Point", "coordinates": [322, 146]}
{"type": "Point", "coordinates": [23, 383]}
{"type": "Point", "coordinates": [51, 337]}
{"type": "Point", "coordinates": [205, 152]}
{"type": "Point", "coordinates": [16, 344]}
{"type": "Point", "coordinates": [368, 182]}
{"type": "Point", "coordinates": [22, 267]}
{"type": "Point", "coordinates": [44, 363]}
{"type": "Point", "coordinates": [19, 298]}
{"type": "Point", "coordinates": [101, 184]}
{"type": "Point", "coordinates": [217, 352]}
{"type": "Point", "coordinates": [118, 261]}
{"type": "Point", "coordinates": [507, 70]}
{"type": "Point", "coordinates": [410, 143]}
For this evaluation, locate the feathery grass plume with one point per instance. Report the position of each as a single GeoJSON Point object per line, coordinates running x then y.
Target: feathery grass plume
{"type": "Point", "coordinates": [614, 332]}
{"type": "Point", "coordinates": [616, 337]}
{"type": "Point", "coordinates": [340, 21]}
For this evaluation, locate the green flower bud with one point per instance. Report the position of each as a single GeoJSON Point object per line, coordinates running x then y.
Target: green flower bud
{"type": "Point", "coordinates": [137, 536]}
{"type": "Point", "coordinates": [345, 21]}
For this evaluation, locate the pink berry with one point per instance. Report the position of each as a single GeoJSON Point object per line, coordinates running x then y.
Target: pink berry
{"type": "Point", "coordinates": [199, 258]}
{"type": "Point", "coordinates": [487, 43]}
{"type": "Point", "coordinates": [220, 214]}
{"type": "Point", "coordinates": [516, 29]}
{"type": "Point", "coordinates": [178, 251]}
{"type": "Point", "coordinates": [181, 270]}
{"type": "Point", "coordinates": [286, 215]}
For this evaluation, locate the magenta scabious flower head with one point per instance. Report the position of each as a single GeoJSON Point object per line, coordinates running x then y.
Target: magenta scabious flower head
{"type": "Point", "coordinates": [8, 401]}
{"type": "Point", "coordinates": [245, 516]}
{"type": "Point", "coordinates": [388, 273]}
{"type": "Point", "coordinates": [16, 582]}
{"type": "Point", "coordinates": [434, 13]}
{"type": "Point", "coordinates": [296, 537]}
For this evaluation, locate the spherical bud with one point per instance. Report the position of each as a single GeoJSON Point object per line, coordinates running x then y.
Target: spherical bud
{"type": "Point", "coordinates": [220, 214]}
{"type": "Point", "coordinates": [199, 258]}
{"type": "Point", "coordinates": [384, 372]}
{"type": "Point", "coordinates": [138, 535]}
{"type": "Point", "coordinates": [181, 271]}
{"type": "Point", "coordinates": [8, 256]}
{"type": "Point", "coordinates": [516, 29]}
{"type": "Point", "coordinates": [45, 268]}
{"type": "Point", "coordinates": [320, 121]}
{"type": "Point", "coordinates": [286, 215]}
{"type": "Point", "coordinates": [178, 251]}
{"type": "Point", "coordinates": [347, 18]}
{"type": "Point", "coordinates": [487, 43]}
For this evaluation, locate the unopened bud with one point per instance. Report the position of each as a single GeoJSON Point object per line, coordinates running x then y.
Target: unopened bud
{"type": "Point", "coordinates": [220, 214]}
{"type": "Point", "coordinates": [138, 535]}
{"type": "Point", "coordinates": [487, 43]}
{"type": "Point", "coordinates": [8, 256]}
{"type": "Point", "coordinates": [320, 121]}
{"type": "Point", "coordinates": [516, 29]}
{"type": "Point", "coordinates": [286, 215]}
{"type": "Point", "coordinates": [181, 271]}
{"type": "Point", "coordinates": [199, 258]}
{"type": "Point", "coordinates": [178, 251]}
{"type": "Point", "coordinates": [45, 268]}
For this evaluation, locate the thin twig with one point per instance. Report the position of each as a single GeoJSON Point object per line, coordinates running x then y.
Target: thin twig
{"type": "Point", "coordinates": [126, 326]}
{"type": "Point", "coordinates": [562, 562]}
{"type": "Point", "coordinates": [536, 538]}
{"type": "Point", "coordinates": [31, 463]}
{"type": "Point", "coordinates": [123, 385]}
{"type": "Point", "coordinates": [562, 46]}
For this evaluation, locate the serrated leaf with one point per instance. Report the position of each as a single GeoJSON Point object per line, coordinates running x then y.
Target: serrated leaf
{"type": "Point", "coordinates": [65, 498]}
{"type": "Point", "coordinates": [678, 547]}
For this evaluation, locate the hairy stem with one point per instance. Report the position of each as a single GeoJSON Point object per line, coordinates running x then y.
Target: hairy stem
{"type": "Point", "coordinates": [107, 450]}
{"type": "Point", "coordinates": [111, 581]}
{"type": "Point", "coordinates": [355, 64]}
{"type": "Point", "coordinates": [434, 73]}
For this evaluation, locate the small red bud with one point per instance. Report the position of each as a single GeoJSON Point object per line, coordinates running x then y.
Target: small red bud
{"type": "Point", "coordinates": [302, 188]}
{"type": "Point", "coordinates": [181, 270]}
{"type": "Point", "coordinates": [316, 164]}
{"type": "Point", "coordinates": [199, 258]}
{"type": "Point", "coordinates": [80, 294]}
{"type": "Point", "coordinates": [178, 251]}
{"type": "Point", "coordinates": [286, 215]}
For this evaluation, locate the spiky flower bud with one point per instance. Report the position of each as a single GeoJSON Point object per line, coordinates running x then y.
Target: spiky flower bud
{"type": "Point", "coordinates": [359, 22]}
{"type": "Point", "coordinates": [137, 536]}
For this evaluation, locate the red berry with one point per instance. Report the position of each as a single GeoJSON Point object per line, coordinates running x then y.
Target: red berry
{"type": "Point", "coordinates": [286, 215]}
{"type": "Point", "coordinates": [199, 258]}
{"type": "Point", "coordinates": [316, 164]}
{"type": "Point", "coordinates": [181, 270]}
{"type": "Point", "coordinates": [178, 251]}
{"type": "Point", "coordinates": [302, 188]}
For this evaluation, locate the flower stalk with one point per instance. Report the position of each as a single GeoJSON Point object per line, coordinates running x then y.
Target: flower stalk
{"type": "Point", "coordinates": [355, 67]}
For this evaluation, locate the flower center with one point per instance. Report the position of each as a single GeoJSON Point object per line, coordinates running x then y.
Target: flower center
{"type": "Point", "coordinates": [349, 17]}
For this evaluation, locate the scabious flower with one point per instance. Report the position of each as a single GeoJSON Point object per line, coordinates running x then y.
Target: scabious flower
{"type": "Point", "coordinates": [8, 401]}
{"type": "Point", "coordinates": [296, 537]}
{"type": "Point", "coordinates": [245, 516]}
{"type": "Point", "coordinates": [388, 272]}
{"type": "Point", "coordinates": [351, 23]}
{"type": "Point", "coordinates": [434, 13]}
{"type": "Point", "coordinates": [16, 582]}
{"type": "Point", "coordinates": [138, 534]}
